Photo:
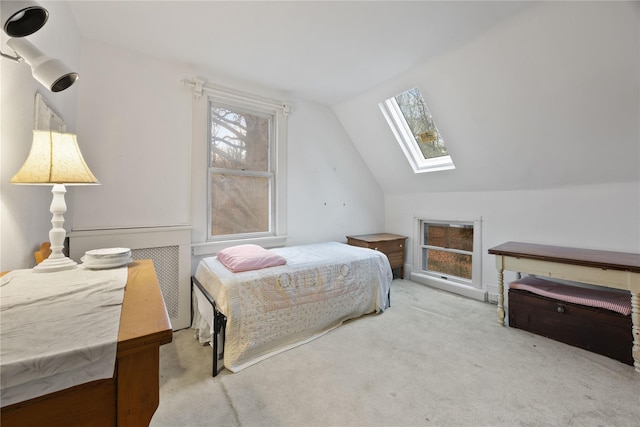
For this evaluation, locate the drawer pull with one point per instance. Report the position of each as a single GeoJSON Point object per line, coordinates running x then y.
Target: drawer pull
{"type": "Point", "coordinates": [560, 308]}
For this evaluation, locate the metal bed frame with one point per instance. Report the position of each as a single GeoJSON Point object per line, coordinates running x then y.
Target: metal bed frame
{"type": "Point", "coordinates": [219, 323]}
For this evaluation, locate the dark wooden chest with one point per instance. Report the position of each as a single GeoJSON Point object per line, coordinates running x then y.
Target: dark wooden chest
{"type": "Point", "coordinates": [598, 330]}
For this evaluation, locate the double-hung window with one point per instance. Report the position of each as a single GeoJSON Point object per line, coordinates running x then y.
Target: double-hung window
{"type": "Point", "coordinates": [239, 191]}
{"type": "Point", "coordinates": [448, 256]}
{"type": "Point", "coordinates": [447, 250]}
{"type": "Point", "coordinates": [241, 174]}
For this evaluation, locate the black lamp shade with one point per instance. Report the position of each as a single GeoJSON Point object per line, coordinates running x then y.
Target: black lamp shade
{"type": "Point", "coordinates": [64, 82]}
{"type": "Point", "coordinates": [24, 17]}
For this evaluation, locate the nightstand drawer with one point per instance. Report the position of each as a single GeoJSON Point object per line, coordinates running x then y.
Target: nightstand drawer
{"type": "Point", "coordinates": [390, 247]}
{"type": "Point", "coordinates": [396, 259]}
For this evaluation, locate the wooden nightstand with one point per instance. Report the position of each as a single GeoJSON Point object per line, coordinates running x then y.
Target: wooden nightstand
{"type": "Point", "coordinates": [392, 245]}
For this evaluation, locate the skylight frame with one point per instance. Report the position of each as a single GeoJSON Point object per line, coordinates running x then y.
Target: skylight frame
{"type": "Point", "coordinates": [400, 128]}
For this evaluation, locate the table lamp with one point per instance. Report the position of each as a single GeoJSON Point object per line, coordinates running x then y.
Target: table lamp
{"type": "Point", "coordinates": [55, 159]}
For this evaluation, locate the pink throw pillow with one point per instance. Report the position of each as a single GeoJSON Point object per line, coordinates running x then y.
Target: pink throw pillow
{"type": "Point", "coordinates": [248, 257]}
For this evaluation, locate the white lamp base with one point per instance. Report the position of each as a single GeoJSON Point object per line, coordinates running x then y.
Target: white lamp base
{"type": "Point", "coordinates": [57, 261]}
{"type": "Point", "coordinates": [50, 265]}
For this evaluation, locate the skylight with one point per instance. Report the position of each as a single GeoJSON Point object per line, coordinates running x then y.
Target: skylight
{"type": "Point", "coordinates": [416, 132]}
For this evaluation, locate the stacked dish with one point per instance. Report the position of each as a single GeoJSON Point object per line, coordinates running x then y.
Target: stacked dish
{"type": "Point", "coordinates": [106, 258]}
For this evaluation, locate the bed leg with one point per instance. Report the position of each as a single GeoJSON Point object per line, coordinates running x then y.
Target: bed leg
{"type": "Point", "coordinates": [219, 323]}
{"type": "Point", "coordinates": [214, 357]}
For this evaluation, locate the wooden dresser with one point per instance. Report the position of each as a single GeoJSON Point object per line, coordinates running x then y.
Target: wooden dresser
{"type": "Point", "coordinates": [392, 245]}
{"type": "Point", "coordinates": [132, 396]}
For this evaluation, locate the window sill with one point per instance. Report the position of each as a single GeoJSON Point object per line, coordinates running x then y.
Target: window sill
{"type": "Point", "coordinates": [450, 286]}
{"type": "Point", "coordinates": [432, 165]}
{"type": "Point", "coordinates": [211, 248]}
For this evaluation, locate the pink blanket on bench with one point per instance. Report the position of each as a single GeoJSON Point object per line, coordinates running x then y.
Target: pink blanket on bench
{"type": "Point", "coordinates": [609, 299]}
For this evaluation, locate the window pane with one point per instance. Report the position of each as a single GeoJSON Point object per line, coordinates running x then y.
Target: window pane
{"type": "Point", "coordinates": [239, 139]}
{"type": "Point", "coordinates": [447, 262]}
{"type": "Point", "coordinates": [418, 118]}
{"type": "Point", "coordinates": [239, 204]}
{"type": "Point", "coordinates": [447, 236]}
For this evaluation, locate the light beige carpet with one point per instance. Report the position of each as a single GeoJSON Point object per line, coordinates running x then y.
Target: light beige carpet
{"type": "Point", "coordinates": [432, 359]}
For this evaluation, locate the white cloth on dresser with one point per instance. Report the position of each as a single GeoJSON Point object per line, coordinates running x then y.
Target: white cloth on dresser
{"type": "Point", "coordinates": [58, 329]}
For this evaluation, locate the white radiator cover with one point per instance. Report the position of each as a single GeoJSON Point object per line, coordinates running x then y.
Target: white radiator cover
{"type": "Point", "coordinates": [168, 247]}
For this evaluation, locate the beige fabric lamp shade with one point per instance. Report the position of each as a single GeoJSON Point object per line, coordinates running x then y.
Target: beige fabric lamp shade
{"type": "Point", "coordinates": [54, 158]}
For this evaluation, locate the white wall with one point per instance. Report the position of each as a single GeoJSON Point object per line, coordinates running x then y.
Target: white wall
{"type": "Point", "coordinates": [25, 219]}
{"type": "Point", "coordinates": [331, 191]}
{"type": "Point", "coordinates": [547, 98]}
{"type": "Point", "coordinates": [135, 117]}
{"type": "Point", "coordinates": [604, 217]}
{"type": "Point", "coordinates": [541, 115]}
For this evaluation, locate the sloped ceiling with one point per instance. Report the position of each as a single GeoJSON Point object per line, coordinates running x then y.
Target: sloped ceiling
{"type": "Point", "coordinates": [325, 51]}
{"type": "Point", "coordinates": [548, 98]}
{"type": "Point", "coordinates": [527, 95]}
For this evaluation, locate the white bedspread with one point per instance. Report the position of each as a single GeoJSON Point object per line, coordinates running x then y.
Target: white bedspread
{"type": "Point", "coordinates": [274, 309]}
{"type": "Point", "coordinates": [58, 329]}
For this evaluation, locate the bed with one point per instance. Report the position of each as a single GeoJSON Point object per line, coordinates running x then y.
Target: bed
{"type": "Point", "coordinates": [256, 314]}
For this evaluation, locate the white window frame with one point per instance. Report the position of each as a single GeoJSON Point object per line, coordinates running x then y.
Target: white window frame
{"type": "Point", "coordinates": [202, 245]}
{"type": "Point", "coordinates": [469, 288]}
{"type": "Point", "coordinates": [392, 113]}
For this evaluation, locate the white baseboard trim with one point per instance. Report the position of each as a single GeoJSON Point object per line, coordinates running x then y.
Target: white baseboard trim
{"type": "Point", "coordinates": [492, 298]}
{"type": "Point", "coordinates": [446, 285]}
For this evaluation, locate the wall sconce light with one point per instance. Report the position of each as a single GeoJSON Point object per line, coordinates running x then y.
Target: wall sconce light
{"type": "Point", "coordinates": [55, 159]}
{"type": "Point", "coordinates": [25, 18]}
{"type": "Point", "coordinates": [50, 72]}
